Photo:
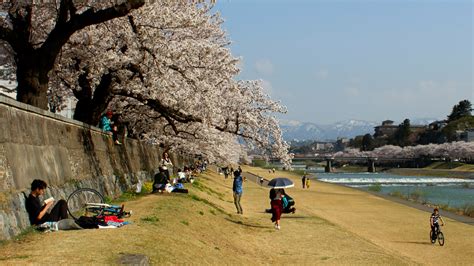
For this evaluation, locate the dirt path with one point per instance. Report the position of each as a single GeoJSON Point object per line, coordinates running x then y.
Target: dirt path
{"type": "Point", "coordinates": [394, 227]}
{"type": "Point", "coordinates": [333, 225]}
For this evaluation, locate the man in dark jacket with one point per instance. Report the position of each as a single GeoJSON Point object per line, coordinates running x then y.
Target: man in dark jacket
{"type": "Point", "coordinates": [160, 180]}
{"type": "Point", "coordinates": [37, 212]}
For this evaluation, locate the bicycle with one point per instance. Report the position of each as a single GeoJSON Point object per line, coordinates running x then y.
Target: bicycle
{"type": "Point", "coordinates": [439, 235]}
{"type": "Point", "coordinates": [89, 202]}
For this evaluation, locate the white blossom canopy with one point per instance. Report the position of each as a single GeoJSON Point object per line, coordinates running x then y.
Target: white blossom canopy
{"type": "Point", "coordinates": [451, 150]}
{"type": "Point", "coordinates": [172, 77]}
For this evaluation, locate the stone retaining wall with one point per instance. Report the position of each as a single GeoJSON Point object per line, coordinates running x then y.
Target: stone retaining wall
{"type": "Point", "coordinates": [66, 154]}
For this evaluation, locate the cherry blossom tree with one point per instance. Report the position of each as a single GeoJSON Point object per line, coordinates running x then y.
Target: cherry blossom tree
{"type": "Point", "coordinates": [452, 150]}
{"type": "Point", "coordinates": [167, 69]}
{"type": "Point", "coordinates": [34, 32]}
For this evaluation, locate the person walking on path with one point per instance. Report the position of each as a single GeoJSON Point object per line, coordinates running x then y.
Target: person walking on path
{"type": "Point", "coordinates": [308, 182]}
{"type": "Point", "coordinates": [303, 180]}
{"type": "Point", "coordinates": [276, 196]}
{"type": "Point", "coordinates": [237, 189]}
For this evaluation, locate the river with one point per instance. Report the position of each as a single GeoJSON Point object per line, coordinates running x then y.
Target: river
{"type": "Point", "coordinates": [454, 192]}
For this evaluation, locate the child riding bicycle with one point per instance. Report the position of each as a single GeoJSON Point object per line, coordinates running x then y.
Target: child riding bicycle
{"type": "Point", "coordinates": [434, 219]}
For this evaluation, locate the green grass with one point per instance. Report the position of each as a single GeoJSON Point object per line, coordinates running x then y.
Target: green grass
{"type": "Point", "coordinates": [416, 195]}
{"type": "Point", "coordinates": [29, 231]}
{"type": "Point", "coordinates": [398, 194]}
{"type": "Point", "coordinates": [131, 195]}
{"type": "Point", "coordinates": [298, 172]}
{"type": "Point", "coordinates": [375, 188]}
{"type": "Point", "coordinates": [458, 166]}
{"type": "Point", "coordinates": [448, 165]}
{"type": "Point", "coordinates": [468, 210]}
{"type": "Point", "coordinates": [259, 163]}
{"type": "Point", "coordinates": [434, 165]}
{"type": "Point", "coordinates": [15, 257]}
{"type": "Point", "coordinates": [205, 201]}
{"type": "Point", "coordinates": [207, 189]}
{"type": "Point", "coordinates": [150, 219]}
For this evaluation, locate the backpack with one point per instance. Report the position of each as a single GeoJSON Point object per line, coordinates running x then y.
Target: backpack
{"type": "Point", "coordinates": [90, 222]}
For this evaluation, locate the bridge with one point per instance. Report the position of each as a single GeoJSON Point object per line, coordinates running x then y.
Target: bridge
{"type": "Point", "coordinates": [331, 159]}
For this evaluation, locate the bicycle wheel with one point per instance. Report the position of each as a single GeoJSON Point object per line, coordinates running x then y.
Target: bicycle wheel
{"type": "Point", "coordinates": [441, 238]}
{"type": "Point", "coordinates": [78, 200]}
{"type": "Point", "coordinates": [431, 237]}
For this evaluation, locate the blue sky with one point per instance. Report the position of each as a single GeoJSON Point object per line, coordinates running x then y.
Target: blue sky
{"type": "Point", "coordinates": [329, 61]}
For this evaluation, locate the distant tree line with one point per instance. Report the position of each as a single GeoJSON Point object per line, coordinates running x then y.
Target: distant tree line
{"type": "Point", "coordinates": [460, 119]}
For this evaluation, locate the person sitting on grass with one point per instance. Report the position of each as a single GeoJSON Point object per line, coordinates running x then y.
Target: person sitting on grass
{"type": "Point", "coordinates": [37, 212]}
{"type": "Point", "coordinates": [181, 176]}
{"type": "Point", "coordinates": [434, 223]}
{"type": "Point", "coordinates": [160, 180]}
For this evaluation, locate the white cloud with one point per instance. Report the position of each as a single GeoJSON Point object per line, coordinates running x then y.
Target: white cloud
{"type": "Point", "coordinates": [322, 74]}
{"type": "Point", "coordinates": [264, 66]}
{"type": "Point", "coordinates": [425, 98]}
{"type": "Point", "coordinates": [267, 87]}
{"type": "Point", "coordinates": [352, 91]}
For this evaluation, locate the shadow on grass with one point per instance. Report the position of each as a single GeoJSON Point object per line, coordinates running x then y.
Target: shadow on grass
{"type": "Point", "coordinates": [245, 224]}
{"type": "Point", "coordinates": [296, 217]}
{"type": "Point", "coordinates": [414, 242]}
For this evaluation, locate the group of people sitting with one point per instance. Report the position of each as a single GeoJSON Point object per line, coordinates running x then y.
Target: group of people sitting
{"type": "Point", "coordinates": [166, 180]}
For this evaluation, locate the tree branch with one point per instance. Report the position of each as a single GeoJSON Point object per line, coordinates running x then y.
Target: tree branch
{"type": "Point", "coordinates": [64, 29]}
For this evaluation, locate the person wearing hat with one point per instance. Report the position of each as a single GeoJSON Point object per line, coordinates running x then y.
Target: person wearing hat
{"type": "Point", "coordinates": [106, 125]}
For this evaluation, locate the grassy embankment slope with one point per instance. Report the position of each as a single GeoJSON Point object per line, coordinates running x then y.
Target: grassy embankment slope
{"type": "Point", "coordinates": [333, 224]}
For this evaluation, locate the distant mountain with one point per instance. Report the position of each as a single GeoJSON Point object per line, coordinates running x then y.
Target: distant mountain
{"type": "Point", "coordinates": [423, 121]}
{"type": "Point", "coordinates": [296, 130]}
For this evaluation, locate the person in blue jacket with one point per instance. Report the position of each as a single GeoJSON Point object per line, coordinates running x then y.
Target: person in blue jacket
{"type": "Point", "coordinates": [237, 189]}
{"type": "Point", "coordinates": [107, 125]}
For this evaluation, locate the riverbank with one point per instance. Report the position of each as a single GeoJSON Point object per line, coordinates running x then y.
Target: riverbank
{"type": "Point", "coordinates": [426, 207]}
{"type": "Point", "coordinates": [460, 172]}
{"type": "Point", "coordinates": [431, 172]}
{"type": "Point", "coordinates": [332, 225]}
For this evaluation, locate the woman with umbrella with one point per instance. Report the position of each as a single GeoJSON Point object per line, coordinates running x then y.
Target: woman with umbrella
{"type": "Point", "coordinates": [276, 195]}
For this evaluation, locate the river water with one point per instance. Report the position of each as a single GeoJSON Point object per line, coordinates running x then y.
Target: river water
{"type": "Point", "coordinates": [436, 190]}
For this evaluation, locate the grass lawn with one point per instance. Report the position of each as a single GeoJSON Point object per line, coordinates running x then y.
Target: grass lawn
{"type": "Point", "coordinates": [332, 225]}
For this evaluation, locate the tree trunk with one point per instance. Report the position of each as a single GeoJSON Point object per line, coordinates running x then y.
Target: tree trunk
{"type": "Point", "coordinates": [90, 106]}
{"type": "Point", "coordinates": [32, 84]}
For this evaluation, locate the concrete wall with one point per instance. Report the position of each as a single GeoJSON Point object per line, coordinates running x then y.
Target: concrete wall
{"type": "Point", "coordinates": [66, 154]}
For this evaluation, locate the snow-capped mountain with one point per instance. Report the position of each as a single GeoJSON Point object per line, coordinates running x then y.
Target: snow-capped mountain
{"type": "Point", "coordinates": [295, 130]}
